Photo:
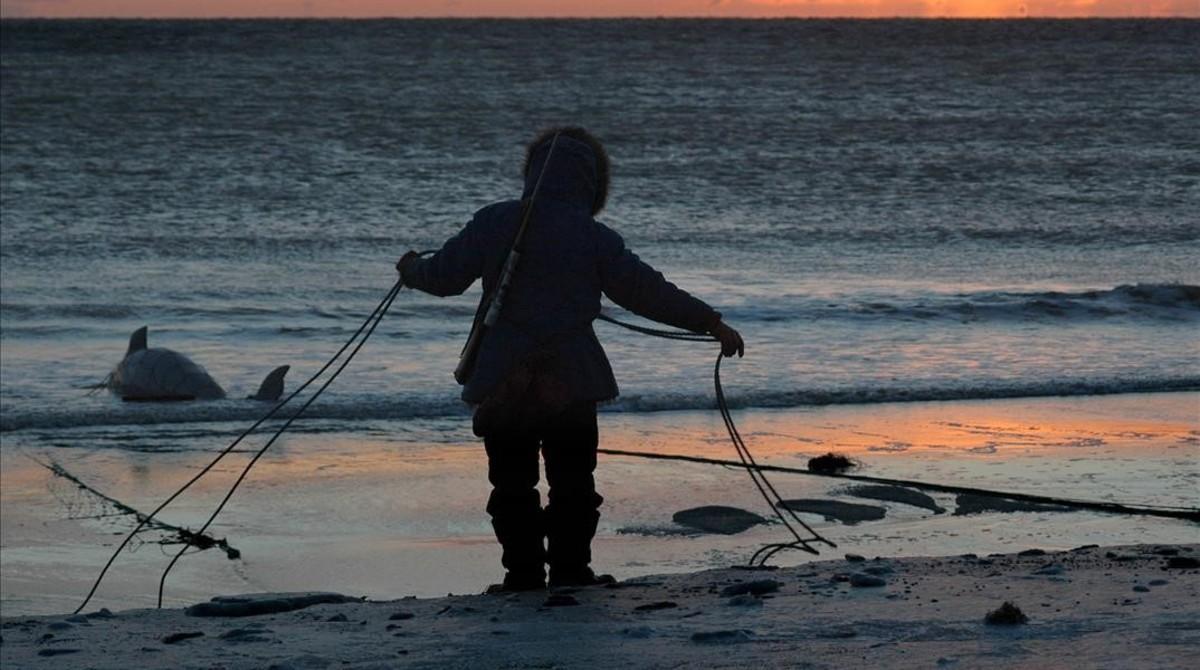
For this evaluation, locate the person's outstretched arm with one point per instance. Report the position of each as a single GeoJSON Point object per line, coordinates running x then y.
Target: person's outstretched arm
{"type": "Point", "coordinates": [633, 284]}
{"type": "Point", "coordinates": [449, 271]}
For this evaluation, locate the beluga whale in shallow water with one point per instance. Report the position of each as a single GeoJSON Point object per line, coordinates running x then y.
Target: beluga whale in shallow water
{"type": "Point", "coordinates": [162, 374]}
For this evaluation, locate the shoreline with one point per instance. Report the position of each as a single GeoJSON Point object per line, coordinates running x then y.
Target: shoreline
{"type": "Point", "coordinates": [1137, 606]}
{"type": "Point", "coordinates": [157, 414]}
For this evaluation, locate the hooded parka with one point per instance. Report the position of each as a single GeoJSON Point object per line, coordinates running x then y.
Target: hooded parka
{"type": "Point", "coordinates": [570, 259]}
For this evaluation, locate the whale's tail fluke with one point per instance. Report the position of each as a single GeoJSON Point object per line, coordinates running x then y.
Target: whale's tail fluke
{"type": "Point", "coordinates": [137, 341]}
{"type": "Point", "coordinates": [272, 386]}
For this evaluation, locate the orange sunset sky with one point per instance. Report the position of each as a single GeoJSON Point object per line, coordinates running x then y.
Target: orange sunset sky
{"type": "Point", "coordinates": [597, 8]}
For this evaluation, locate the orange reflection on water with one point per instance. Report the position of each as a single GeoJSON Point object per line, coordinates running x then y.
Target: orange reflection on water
{"type": "Point", "coordinates": [1163, 424]}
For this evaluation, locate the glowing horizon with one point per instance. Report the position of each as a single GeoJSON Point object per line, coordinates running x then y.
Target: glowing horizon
{"type": "Point", "coordinates": [614, 8]}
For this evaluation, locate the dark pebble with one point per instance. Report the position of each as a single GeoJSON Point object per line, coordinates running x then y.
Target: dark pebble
{"type": "Point", "coordinates": [1141, 589]}
{"type": "Point", "coordinates": [56, 652]}
{"type": "Point", "coordinates": [1159, 582]}
{"type": "Point", "coordinates": [861, 579]}
{"type": "Point", "coordinates": [855, 558]}
{"type": "Point", "coordinates": [660, 605]}
{"type": "Point", "coordinates": [1032, 552]}
{"type": "Point", "coordinates": [1183, 563]}
{"type": "Point", "coordinates": [401, 616]}
{"type": "Point", "coordinates": [180, 637]}
{"type": "Point", "coordinates": [1050, 569]}
{"type": "Point", "coordinates": [1007, 614]}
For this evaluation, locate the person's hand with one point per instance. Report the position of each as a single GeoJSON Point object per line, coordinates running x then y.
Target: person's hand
{"type": "Point", "coordinates": [408, 257]}
{"type": "Point", "coordinates": [731, 340]}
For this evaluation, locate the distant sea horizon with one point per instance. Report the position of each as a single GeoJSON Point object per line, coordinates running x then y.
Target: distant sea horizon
{"type": "Point", "coordinates": [551, 19]}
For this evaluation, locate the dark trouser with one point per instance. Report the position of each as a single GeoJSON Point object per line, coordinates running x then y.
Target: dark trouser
{"type": "Point", "coordinates": [568, 443]}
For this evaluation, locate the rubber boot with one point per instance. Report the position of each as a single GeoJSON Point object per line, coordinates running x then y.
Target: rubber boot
{"type": "Point", "coordinates": [518, 521]}
{"type": "Point", "coordinates": [571, 522]}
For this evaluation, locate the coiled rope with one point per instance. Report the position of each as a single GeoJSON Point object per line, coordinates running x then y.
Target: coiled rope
{"type": "Point", "coordinates": [1164, 511]}
{"type": "Point", "coordinates": [786, 516]}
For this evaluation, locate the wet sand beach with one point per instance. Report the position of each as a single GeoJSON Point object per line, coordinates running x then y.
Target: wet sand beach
{"type": "Point", "coordinates": [385, 513]}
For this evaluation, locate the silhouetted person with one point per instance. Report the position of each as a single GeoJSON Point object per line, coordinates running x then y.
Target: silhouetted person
{"type": "Point", "coordinates": [540, 369]}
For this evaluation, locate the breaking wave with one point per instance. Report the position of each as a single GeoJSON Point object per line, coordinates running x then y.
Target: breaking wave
{"type": "Point", "coordinates": [1155, 302]}
{"type": "Point", "coordinates": [108, 411]}
{"type": "Point", "coordinates": [1158, 302]}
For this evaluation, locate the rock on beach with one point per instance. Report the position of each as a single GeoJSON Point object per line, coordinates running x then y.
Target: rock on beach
{"type": "Point", "coordinates": [718, 519]}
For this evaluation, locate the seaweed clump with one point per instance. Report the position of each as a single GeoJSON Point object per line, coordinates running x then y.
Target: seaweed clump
{"type": "Point", "coordinates": [832, 463]}
{"type": "Point", "coordinates": [1007, 615]}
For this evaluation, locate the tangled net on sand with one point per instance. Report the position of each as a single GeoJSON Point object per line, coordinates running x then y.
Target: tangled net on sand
{"type": "Point", "coordinates": [83, 502]}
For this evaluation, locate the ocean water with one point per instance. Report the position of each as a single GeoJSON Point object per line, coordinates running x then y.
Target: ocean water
{"type": "Point", "coordinates": [887, 210]}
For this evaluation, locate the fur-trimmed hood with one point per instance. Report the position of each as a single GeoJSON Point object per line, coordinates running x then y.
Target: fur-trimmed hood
{"type": "Point", "coordinates": [571, 175]}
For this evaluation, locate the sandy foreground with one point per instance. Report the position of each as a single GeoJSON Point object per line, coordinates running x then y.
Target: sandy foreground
{"type": "Point", "coordinates": [1092, 607]}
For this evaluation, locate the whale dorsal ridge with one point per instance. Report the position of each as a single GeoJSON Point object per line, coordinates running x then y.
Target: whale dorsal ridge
{"type": "Point", "coordinates": [137, 341]}
{"type": "Point", "coordinates": [272, 386]}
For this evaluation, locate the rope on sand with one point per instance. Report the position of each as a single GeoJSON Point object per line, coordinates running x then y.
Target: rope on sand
{"type": "Point", "coordinates": [1186, 513]}
{"type": "Point", "coordinates": [756, 470]}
